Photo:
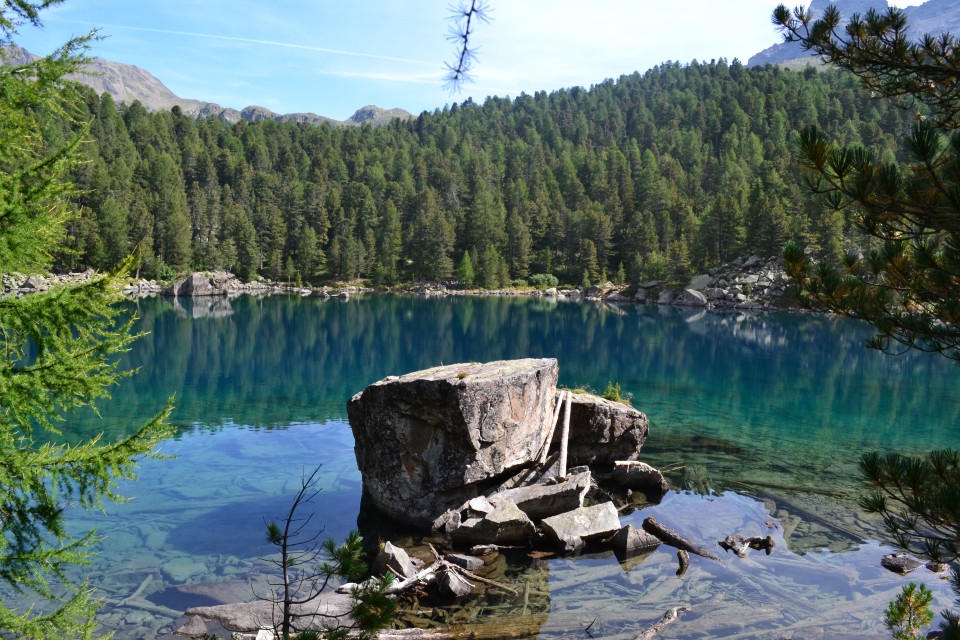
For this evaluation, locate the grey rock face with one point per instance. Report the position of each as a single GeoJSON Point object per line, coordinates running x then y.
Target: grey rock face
{"type": "Point", "coordinates": [572, 529]}
{"type": "Point", "coordinates": [426, 440]}
{"type": "Point", "coordinates": [666, 297]}
{"type": "Point", "coordinates": [603, 431]}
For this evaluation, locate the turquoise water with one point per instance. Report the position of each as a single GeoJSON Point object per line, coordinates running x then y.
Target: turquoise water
{"type": "Point", "coordinates": [765, 413]}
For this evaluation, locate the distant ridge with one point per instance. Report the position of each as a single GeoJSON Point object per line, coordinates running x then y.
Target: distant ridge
{"type": "Point", "coordinates": [934, 16]}
{"type": "Point", "coordinates": [127, 83]}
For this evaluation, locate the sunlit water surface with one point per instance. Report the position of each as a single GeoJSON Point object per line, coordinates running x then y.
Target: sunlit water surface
{"type": "Point", "coordinates": [766, 413]}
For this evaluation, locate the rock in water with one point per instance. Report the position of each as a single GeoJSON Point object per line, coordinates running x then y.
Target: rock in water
{"type": "Point", "coordinates": [427, 441]}
{"type": "Point", "coordinates": [603, 431]}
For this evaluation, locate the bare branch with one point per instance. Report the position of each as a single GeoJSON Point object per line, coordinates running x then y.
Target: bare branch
{"type": "Point", "coordinates": [464, 18]}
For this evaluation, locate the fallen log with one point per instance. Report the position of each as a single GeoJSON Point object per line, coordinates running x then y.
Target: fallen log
{"type": "Point", "coordinates": [740, 545]}
{"type": "Point", "coordinates": [674, 539]}
{"type": "Point", "coordinates": [669, 617]}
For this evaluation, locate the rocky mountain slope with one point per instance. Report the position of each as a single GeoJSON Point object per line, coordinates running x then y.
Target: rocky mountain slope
{"type": "Point", "coordinates": [127, 83]}
{"type": "Point", "coordinates": [934, 16]}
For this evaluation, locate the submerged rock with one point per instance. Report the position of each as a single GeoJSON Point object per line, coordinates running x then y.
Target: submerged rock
{"type": "Point", "coordinates": [426, 441]}
{"type": "Point", "coordinates": [640, 476]}
{"type": "Point", "coordinates": [630, 542]}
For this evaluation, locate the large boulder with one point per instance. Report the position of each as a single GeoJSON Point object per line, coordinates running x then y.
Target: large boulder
{"type": "Point", "coordinates": [428, 441]}
{"type": "Point", "coordinates": [197, 285]}
{"type": "Point", "coordinates": [603, 431]}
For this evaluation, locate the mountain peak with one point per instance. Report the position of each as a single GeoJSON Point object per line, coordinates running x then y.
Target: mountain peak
{"type": "Point", "coordinates": [127, 83]}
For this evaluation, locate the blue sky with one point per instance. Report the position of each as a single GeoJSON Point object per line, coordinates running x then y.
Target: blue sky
{"type": "Point", "coordinates": [333, 57]}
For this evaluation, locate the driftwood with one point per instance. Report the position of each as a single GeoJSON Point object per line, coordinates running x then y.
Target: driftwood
{"type": "Point", "coordinates": [542, 458]}
{"type": "Point", "coordinates": [442, 566]}
{"type": "Point", "coordinates": [740, 545]}
{"type": "Point", "coordinates": [684, 559]}
{"type": "Point", "coordinates": [674, 539]}
{"type": "Point", "coordinates": [669, 617]}
{"type": "Point", "coordinates": [565, 438]}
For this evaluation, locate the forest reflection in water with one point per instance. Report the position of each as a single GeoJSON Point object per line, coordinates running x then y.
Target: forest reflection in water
{"type": "Point", "coordinates": [765, 413]}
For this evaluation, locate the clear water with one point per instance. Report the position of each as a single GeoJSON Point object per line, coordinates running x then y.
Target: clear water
{"type": "Point", "coordinates": [770, 412]}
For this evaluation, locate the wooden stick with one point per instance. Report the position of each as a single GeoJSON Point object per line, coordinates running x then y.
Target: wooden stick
{"type": "Point", "coordinates": [670, 616]}
{"type": "Point", "coordinates": [684, 559]}
{"type": "Point", "coordinates": [542, 458]}
{"type": "Point", "coordinates": [564, 438]}
{"type": "Point", "coordinates": [674, 539]}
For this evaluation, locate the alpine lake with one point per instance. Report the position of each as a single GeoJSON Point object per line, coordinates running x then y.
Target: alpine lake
{"type": "Point", "coordinates": [762, 416]}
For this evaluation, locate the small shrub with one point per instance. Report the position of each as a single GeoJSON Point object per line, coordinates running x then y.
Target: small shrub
{"type": "Point", "coordinates": [910, 612]}
{"type": "Point", "coordinates": [543, 281]}
{"type": "Point", "coordinates": [462, 375]}
{"type": "Point", "coordinates": [612, 392]}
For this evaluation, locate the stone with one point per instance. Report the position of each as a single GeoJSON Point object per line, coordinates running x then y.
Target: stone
{"type": "Point", "coordinates": [899, 563]}
{"type": "Point", "coordinates": [394, 559]}
{"type": "Point", "coordinates": [602, 431]}
{"type": "Point", "coordinates": [470, 563]}
{"type": "Point", "coordinates": [666, 297]}
{"type": "Point", "coordinates": [426, 441]}
{"type": "Point", "coordinates": [539, 501]}
{"type": "Point", "coordinates": [572, 529]}
{"type": "Point", "coordinates": [715, 293]}
{"type": "Point", "coordinates": [505, 524]}
{"type": "Point", "coordinates": [551, 292]}
{"type": "Point", "coordinates": [34, 283]}
{"type": "Point", "coordinates": [616, 296]}
{"type": "Point", "coordinates": [750, 279]}
{"type": "Point", "coordinates": [699, 283]}
{"type": "Point", "coordinates": [937, 567]}
{"type": "Point", "coordinates": [691, 298]}
{"type": "Point", "coordinates": [592, 292]}
{"type": "Point", "coordinates": [640, 296]}
{"type": "Point", "coordinates": [752, 261]}
{"type": "Point", "coordinates": [452, 584]}
{"type": "Point", "coordinates": [630, 542]}
{"type": "Point", "coordinates": [640, 476]}
{"type": "Point", "coordinates": [329, 607]}
{"type": "Point", "coordinates": [194, 627]}
{"type": "Point", "coordinates": [196, 285]}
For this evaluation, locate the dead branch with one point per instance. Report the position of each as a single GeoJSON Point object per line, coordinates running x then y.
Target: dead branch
{"type": "Point", "coordinates": [674, 539]}
{"type": "Point", "coordinates": [669, 617]}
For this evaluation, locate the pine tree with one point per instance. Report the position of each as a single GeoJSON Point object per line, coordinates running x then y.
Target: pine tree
{"type": "Point", "coordinates": [59, 354]}
{"type": "Point", "coordinates": [907, 285]}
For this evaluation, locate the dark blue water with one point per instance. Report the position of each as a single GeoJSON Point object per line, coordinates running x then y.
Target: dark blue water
{"type": "Point", "coordinates": [764, 414]}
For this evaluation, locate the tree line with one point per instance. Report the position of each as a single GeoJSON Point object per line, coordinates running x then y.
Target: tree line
{"type": "Point", "coordinates": [651, 176]}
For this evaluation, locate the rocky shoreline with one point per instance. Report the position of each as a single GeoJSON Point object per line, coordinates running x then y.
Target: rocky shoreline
{"type": "Point", "coordinates": [751, 284]}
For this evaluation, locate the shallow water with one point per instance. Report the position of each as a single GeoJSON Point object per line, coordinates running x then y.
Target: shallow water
{"type": "Point", "coordinates": [767, 413]}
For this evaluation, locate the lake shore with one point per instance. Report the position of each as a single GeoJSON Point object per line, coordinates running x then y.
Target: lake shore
{"type": "Point", "coordinates": [749, 284]}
